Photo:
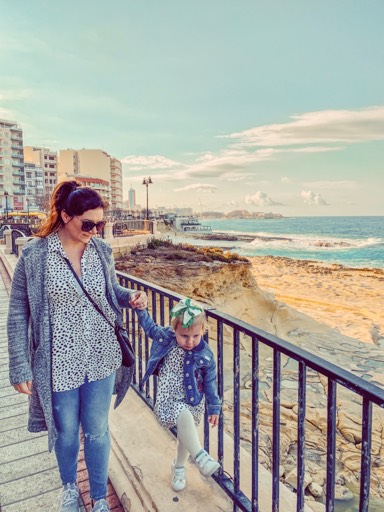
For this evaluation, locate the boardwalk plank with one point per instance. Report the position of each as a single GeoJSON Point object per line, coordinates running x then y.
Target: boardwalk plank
{"type": "Point", "coordinates": [19, 469]}
{"type": "Point", "coordinates": [16, 421]}
{"type": "Point", "coordinates": [47, 502]}
{"type": "Point", "coordinates": [32, 485]}
{"type": "Point", "coordinates": [12, 410]}
{"type": "Point", "coordinates": [15, 399]}
{"type": "Point", "coordinates": [15, 436]}
{"type": "Point", "coordinates": [36, 444]}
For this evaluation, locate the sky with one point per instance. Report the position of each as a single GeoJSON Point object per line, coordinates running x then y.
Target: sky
{"type": "Point", "coordinates": [263, 105]}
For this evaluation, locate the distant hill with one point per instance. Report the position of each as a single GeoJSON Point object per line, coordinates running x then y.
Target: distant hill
{"type": "Point", "coordinates": [241, 214]}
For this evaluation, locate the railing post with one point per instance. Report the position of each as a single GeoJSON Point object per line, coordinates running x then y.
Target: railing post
{"type": "Point", "coordinates": [276, 431]}
{"type": "Point", "coordinates": [255, 425]}
{"type": "Point", "coordinates": [8, 241]}
{"type": "Point", "coordinates": [331, 446]}
{"type": "Point", "coordinates": [301, 437]}
{"type": "Point", "coordinates": [366, 444]}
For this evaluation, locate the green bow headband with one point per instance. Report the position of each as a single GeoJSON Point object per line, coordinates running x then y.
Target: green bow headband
{"type": "Point", "coordinates": [189, 310]}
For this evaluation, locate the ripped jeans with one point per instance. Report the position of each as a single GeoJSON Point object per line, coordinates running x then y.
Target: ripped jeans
{"type": "Point", "coordinates": [87, 405]}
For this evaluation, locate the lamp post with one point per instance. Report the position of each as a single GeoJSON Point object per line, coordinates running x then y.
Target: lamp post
{"type": "Point", "coordinates": [27, 201]}
{"type": "Point", "coordinates": [146, 182]}
{"type": "Point", "coordinates": [6, 206]}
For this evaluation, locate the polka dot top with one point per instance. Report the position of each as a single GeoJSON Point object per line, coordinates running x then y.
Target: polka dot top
{"type": "Point", "coordinates": [84, 344]}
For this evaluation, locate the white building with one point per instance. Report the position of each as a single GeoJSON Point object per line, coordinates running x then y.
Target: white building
{"type": "Point", "coordinates": [47, 160]}
{"type": "Point", "coordinates": [34, 185]}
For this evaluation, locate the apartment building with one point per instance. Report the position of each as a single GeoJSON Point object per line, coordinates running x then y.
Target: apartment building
{"type": "Point", "coordinates": [34, 186]}
{"type": "Point", "coordinates": [101, 186]}
{"type": "Point", "coordinates": [94, 164]}
{"type": "Point", "coordinates": [46, 160]}
{"type": "Point", "coordinates": [12, 181]}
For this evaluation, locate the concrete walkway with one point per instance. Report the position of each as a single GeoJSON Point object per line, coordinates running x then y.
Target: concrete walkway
{"type": "Point", "coordinates": [29, 478]}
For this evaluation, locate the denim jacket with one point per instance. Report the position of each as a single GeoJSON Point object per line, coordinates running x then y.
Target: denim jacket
{"type": "Point", "coordinates": [199, 363]}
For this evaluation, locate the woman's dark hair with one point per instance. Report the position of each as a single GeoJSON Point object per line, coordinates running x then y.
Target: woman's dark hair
{"type": "Point", "coordinates": [74, 199]}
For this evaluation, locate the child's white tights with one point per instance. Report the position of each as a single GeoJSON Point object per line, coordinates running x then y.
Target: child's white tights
{"type": "Point", "coordinates": [187, 438]}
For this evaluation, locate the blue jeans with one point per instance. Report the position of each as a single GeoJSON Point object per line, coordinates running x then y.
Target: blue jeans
{"type": "Point", "coordinates": [87, 405]}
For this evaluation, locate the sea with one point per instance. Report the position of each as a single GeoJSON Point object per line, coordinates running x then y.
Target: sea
{"type": "Point", "coordinates": [356, 242]}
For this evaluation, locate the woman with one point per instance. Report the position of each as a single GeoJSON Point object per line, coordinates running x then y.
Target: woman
{"type": "Point", "coordinates": [62, 352]}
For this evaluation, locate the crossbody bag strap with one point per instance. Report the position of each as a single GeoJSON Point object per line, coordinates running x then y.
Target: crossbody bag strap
{"type": "Point", "coordinates": [86, 293]}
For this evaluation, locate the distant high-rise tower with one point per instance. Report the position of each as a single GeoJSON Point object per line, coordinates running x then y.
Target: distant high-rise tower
{"type": "Point", "coordinates": [131, 198]}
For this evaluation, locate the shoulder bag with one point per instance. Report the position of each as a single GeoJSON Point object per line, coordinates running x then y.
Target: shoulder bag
{"type": "Point", "coordinates": [128, 355]}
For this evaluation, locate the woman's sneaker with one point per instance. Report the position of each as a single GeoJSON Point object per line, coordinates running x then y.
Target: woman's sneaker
{"type": "Point", "coordinates": [178, 477]}
{"type": "Point", "coordinates": [207, 466]}
{"type": "Point", "coordinates": [100, 506]}
{"type": "Point", "coordinates": [69, 501]}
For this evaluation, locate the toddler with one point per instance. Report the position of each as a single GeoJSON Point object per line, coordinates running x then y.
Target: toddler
{"type": "Point", "coordinates": [186, 371]}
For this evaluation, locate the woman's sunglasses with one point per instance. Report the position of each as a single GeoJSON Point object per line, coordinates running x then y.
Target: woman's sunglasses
{"type": "Point", "coordinates": [88, 225]}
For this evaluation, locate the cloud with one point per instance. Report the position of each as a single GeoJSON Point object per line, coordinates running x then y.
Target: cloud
{"type": "Point", "coordinates": [331, 185]}
{"type": "Point", "coordinates": [315, 149]}
{"type": "Point", "coordinates": [138, 163]}
{"type": "Point", "coordinates": [197, 186]}
{"type": "Point", "coordinates": [325, 126]}
{"type": "Point", "coordinates": [228, 163]}
{"type": "Point", "coordinates": [260, 199]}
{"type": "Point", "coordinates": [285, 179]}
{"type": "Point", "coordinates": [312, 198]}
{"type": "Point", "coordinates": [234, 178]}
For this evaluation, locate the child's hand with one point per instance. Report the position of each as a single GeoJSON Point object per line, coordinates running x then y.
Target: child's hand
{"type": "Point", "coordinates": [213, 420]}
{"type": "Point", "coordinates": [139, 300]}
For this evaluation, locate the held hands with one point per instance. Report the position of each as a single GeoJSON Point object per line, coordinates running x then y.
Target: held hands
{"type": "Point", "coordinates": [213, 420]}
{"type": "Point", "coordinates": [139, 300]}
{"type": "Point", "coordinates": [24, 387]}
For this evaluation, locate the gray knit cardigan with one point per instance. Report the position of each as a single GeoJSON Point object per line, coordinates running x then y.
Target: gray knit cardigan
{"type": "Point", "coordinates": [30, 335]}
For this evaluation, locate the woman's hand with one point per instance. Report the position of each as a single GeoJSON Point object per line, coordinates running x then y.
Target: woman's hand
{"type": "Point", "coordinates": [24, 387]}
{"type": "Point", "coordinates": [213, 419]}
{"type": "Point", "coordinates": [139, 300]}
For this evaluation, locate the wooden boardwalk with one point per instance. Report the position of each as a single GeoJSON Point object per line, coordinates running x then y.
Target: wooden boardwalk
{"type": "Point", "coordinates": [29, 478]}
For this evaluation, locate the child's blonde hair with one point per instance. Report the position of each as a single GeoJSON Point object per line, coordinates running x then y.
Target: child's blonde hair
{"type": "Point", "coordinates": [197, 317]}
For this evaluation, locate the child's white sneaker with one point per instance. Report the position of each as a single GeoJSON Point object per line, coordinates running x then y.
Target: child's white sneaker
{"type": "Point", "coordinates": [207, 466]}
{"type": "Point", "coordinates": [178, 477]}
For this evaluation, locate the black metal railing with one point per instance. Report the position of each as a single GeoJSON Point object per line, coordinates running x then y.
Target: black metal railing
{"type": "Point", "coordinates": [131, 227]}
{"type": "Point", "coordinates": [226, 335]}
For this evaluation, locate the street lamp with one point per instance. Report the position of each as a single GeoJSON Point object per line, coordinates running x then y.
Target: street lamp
{"type": "Point", "coordinates": [27, 201]}
{"type": "Point", "coordinates": [146, 182]}
{"type": "Point", "coordinates": [6, 205]}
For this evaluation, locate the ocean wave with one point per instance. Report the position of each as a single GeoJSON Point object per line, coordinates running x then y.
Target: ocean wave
{"type": "Point", "coordinates": [302, 241]}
